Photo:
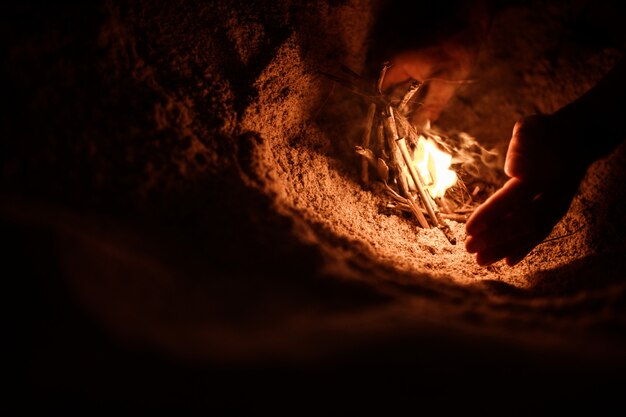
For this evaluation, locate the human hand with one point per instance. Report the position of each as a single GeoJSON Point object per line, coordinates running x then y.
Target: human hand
{"type": "Point", "coordinates": [546, 167]}
{"type": "Point", "coordinates": [441, 68]}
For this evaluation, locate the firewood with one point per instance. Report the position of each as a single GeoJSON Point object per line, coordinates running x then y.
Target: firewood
{"type": "Point", "coordinates": [401, 143]}
{"type": "Point", "coordinates": [415, 86]}
{"type": "Point", "coordinates": [366, 141]}
{"type": "Point", "coordinates": [397, 162]}
{"type": "Point", "coordinates": [388, 154]}
{"type": "Point", "coordinates": [381, 77]}
{"type": "Point", "coordinates": [403, 206]}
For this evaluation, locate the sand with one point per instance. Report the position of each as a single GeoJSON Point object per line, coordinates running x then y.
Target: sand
{"type": "Point", "coordinates": [180, 181]}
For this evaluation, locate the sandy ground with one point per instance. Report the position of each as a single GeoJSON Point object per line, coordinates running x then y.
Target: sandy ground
{"type": "Point", "coordinates": [184, 217]}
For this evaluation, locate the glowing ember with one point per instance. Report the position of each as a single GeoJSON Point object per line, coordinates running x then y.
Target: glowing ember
{"type": "Point", "coordinates": [433, 165]}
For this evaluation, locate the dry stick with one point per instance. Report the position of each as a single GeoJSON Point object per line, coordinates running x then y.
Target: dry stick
{"type": "Point", "coordinates": [395, 195]}
{"type": "Point", "coordinates": [430, 205]}
{"type": "Point", "coordinates": [399, 166]}
{"type": "Point", "coordinates": [366, 142]}
{"type": "Point", "coordinates": [356, 89]}
{"type": "Point", "coordinates": [403, 107]}
{"type": "Point", "coordinates": [381, 77]}
{"type": "Point", "coordinates": [459, 218]}
{"type": "Point", "coordinates": [443, 225]}
{"type": "Point", "coordinates": [350, 72]}
{"type": "Point", "coordinates": [443, 203]}
{"type": "Point", "coordinates": [428, 202]}
{"type": "Point", "coordinates": [401, 145]}
{"type": "Point", "coordinates": [381, 139]}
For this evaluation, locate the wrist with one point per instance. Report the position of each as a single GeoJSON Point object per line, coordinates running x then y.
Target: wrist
{"type": "Point", "coordinates": [571, 135]}
{"type": "Point", "coordinates": [583, 131]}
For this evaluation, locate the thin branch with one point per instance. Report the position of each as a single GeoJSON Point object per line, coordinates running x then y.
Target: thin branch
{"type": "Point", "coordinates": [381, 78]}
{"type": "Point", "coordinates": [369, 120]}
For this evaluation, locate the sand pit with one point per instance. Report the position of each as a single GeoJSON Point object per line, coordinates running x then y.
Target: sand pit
{"type": "Point", "coordinates": [180, 183]}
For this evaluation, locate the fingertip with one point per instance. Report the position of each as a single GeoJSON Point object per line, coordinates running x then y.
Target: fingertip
{"type": "Point", "coordinates": [484, 260]}
{"type": "Point", "coordinates": [512, 261]}
{"type": "Point", "coordinates": [486, 257]}
{"type": "Point", "coordinates": [475, 225]}
{"type": "Point", "coordinates": [508, 166]}
{"type": "Point", "coordinates": [517, 258]}
{"type": "Point", "coordinates": [516, 165]}
{"type": "Point", "coordinates": [470, 245]}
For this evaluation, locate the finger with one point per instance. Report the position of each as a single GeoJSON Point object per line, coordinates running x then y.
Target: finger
{"type": "Point", "coordinates": [514, 239]}
{"type": "Point", "coordinates": [492, 256]}
{"type": "Point", "coordinates": [512, 195]}
{"type": "Point", "coordinates": [509, 249]}
{"type": "Point", "coordinates": [524, 223]}
{"type": "Point", "coordinates": [439, 94]}
{"type": "Point", "coordinates": [516, 258]}
{"type": "Point", "coordinates": [396, 74]}
{"type": "Point", "coordinates": [516, 161]}
{"type": "Point", "coordinates": [530, 156]}
{"type": "Point", "coordinates": [408, 66]}
{"type": "Point", "coordinates": [495, 254]}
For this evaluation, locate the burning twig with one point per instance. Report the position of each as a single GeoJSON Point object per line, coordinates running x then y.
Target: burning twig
{"type": "Point", "coordinates": [416, 178]}
{"type": "Point", "coordinates": [413, 165]}
{"type": "Point", "coordinates": [399, 166]}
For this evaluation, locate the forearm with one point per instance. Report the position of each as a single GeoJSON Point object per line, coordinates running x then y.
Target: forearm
{"type": "Point", "coordinates": [595, 119]}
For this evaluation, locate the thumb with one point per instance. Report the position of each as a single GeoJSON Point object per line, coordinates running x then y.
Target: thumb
{"type": "Point", "coordinates": [523, 147]}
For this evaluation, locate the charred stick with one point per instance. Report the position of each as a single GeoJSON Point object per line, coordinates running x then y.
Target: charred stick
{"type": "Point", "coordinates": [441, 223]}
{"type": "Point", "coordinates": [366, 142]}
{"type": "Point", "coordinates": [443, 226]}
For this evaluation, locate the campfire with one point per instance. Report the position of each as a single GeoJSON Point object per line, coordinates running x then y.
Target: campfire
{"type": "Point", "coordinates": [420, 169]}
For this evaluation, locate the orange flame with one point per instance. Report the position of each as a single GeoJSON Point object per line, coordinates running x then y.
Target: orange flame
{"type": "Point", "coordinates": [433, 165]}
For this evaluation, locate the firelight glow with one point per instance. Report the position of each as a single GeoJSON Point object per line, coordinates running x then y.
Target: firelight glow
{"type": "Point", "coordinates": [433, 165]}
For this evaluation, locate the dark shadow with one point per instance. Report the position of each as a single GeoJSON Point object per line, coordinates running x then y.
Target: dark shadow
{"type": "Point", "coordinates": [592, 273]}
